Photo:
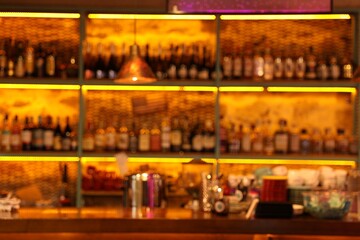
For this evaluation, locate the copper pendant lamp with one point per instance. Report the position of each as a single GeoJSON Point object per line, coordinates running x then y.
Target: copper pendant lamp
{"type": "Point", "coordinates": [135, 70]}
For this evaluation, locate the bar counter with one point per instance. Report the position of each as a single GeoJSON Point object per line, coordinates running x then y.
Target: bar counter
{"type": "Point", "coordinates": [112, 221]}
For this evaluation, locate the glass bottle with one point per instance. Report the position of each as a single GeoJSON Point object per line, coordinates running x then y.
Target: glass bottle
{"type": "Point", "coordinates": [317, 142]}
{"type": "Point", "coordinates": [209, 136]}
{"type": "Point", "coordinates": [58, 136]}
{"type": "Point", "coordinates": [176, 135]}
{"type": "Point", "coordinates": [278, 66]}
{"type": "Point", "coordinates": [268, 65]}
{"type": "Point", "coordinates": [66, 138]}
{"type": "Point", "coordinates": [49, 134]}
{"type": "Point", "coordinates": [159, 69]}
{"type": "Point", "coordinates": [172, 71]}
{"type": "Point", "coordinates": [300, 66]}
{"type": "Point", "coordinates": [15, 135]}
{"type": "Point", "coordinates": [322, 69]}
{"type": "Point", "coordinates": [88, 61]}
{"type": "Point", "coordinates": [3, 58]}
{"type": "Point", "coordinates": [237, 65]}
{"type": "Point", "coordinates": [257, 141]}
{"type": "Point", "coordinates": [29, 59]}
{"type": "Point", "coordinates": [341, 142]}
{"type": "Point", "coordinates": [329, 141]}
{"type": "Point", "coordinates": [227, 65]}
{"type": "Point", "coordinates": [38, 135]}
{"type": "Point", "coordinates": [182, 70]}
{"type": "Point", "coordinates": [194, 63]}
{"type": "Point", "coordinates": [310, 65]}
{"type": "Point", "coordinates": [5, 135]}
{"type": "Point", "coordinates": [26, 135]}
{"type": "Point", "coordinates": [19, 60]}
{"type": "Point", "coordinates": [40, 61]}
{"type": "Point", "coordinates": [165, 135]}
{"type": "Point", "coordinates": [100, 139]}
{"type": "Point", "coordinates": [186, 136]}
{"type": "Point", "coordinates": [281, 138]}
{"type": "Point", "coordinates": [204, 71]}
{"type": "Point", "coordinates": [133, 139]}
{"type": "Point", "coordinates": [234, 139]}
{"type": "Point", "coordinates": [110, 136]}
{"type": "Point", "coordinates": [245, 139]}
{"type": "Point", "coordinates": [88, 143]}
{"type": "Point", "coordinates": [353, 145]}
{"type": "Point", "coordinates": [347, 68]}
{"type": "Point", "coordinates": [305, 142]}
{"type": "Point", "coordinates": [50, 62]}
{"type": "Point", "coordinates": [100, 63]}
{"type": "Point", "coordinates": [294, 144]}
{"type": "Point", "coordinates": [258, 65]}
{"type": "Point", "coordinates": [334, 68]}
{"type": "Point", "coordinates": [144, 139]}
{"type": "Point", "coordinates": [268, 138]}
{"type": "Point", "coordinates": [112, 67]}
{"type": "Point", "coordinates": [197, 142]}
{"type": "Point", "coordinates": [123, 138]}
{"type": "Point", "coordinates": [289, 65]}
{"type": "Point", "coordinates": [224, 144]}
{"type": "Point", "coordinates": [248, 61]}
{"type": "Point", "coordinates": [155, 139]}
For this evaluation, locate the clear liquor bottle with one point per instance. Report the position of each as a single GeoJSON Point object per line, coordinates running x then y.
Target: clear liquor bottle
{"type": "Point", "coordinates": [144, 138]}
{"type": "Point", "coordinates": [100, 139]}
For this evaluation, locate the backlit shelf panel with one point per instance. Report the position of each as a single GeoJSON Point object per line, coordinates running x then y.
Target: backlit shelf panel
{"type": "Point", "coordinates": [39, 83]}
{"type": "Point", "coordinates": [39, 156]}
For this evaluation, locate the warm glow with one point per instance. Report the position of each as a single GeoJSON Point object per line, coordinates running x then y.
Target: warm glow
{"type": "Point", "coordinates": [40, 86]}
{"type": "Point", "coordinates": [39, 15]}
{"type": "Point", "coordinates": [145, 160]}
{"type": "Point", "coordinates": [150, 88]}
{"type": "Point", "coordinates": [37, 159]}
{"type": "Point", "coordinates": [312, 89]}
{"type": "Point", "coordinates": [152, 16]}
{"type": "Point", "coordinates": [134, 79]}
{"type": "Point", "coordinates": [286, 17]}
{"type": "Point", "coordinates": [241, 89]}
{"type": "Point", "coordinates": [338, 162]}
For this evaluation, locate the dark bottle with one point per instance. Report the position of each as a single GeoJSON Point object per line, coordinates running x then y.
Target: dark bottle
{"type": "Point", "coordinates": [305, 142]}
{"type": "Point", "coordinates": [147, 55]}
{"type": "Point", "coordinates": [176, 135]}
{"type": "Point", "coordinates": [341, 142]}
{"type": "Point", "coordinates": [19, 60]}
{"type": "Point", "coordinates": [64, 196]}
{"type": "Point", "coordinates": [49, 134]}
{"type": "Point", "coordinates": [50, 62]}
{"type": "Point", "coordinates": [193, 70]}
{"type": "Point", "coordinates": [204, 71]}
{"type": "Point", "coordinates": [3, 59]}
{"type": "Point", "coordinates": [281, 138]}
{"type": "Point", "coordinates": [88, 62]}
{"type": "Point", "coordinates": [72, 68]}
{"type": "Point", "coordinates": [171, 70]}
{"type": "Point", "coordinates": [209, 136]}
{"type": "Point", "coordinates": [159, 65]}
{"type": "Point", "coordinates": [311, 65]}
{"type": "Point", "coordinates": [58, 136]}
{"type": "Point", "coordinates": [186, 136]}
{"type": "Point", "coordinates": [182, 69]}
{"type": "Point", "coordinates": [197, 143]}
{"type": "Point", "coordinates": [29, 59]}
{"type": "Point", "coordinates": [40, 61]}
{"type": "Point", "coordinates": [112, 65]}
{"type": "Point", "coordinates": [38, 135]}
{"type": "Point", "coordinates": [10, 65]}
{"type": "Point", "coordinates": [100, 63]}
{"type": "Point", "coordinates": [237, 65]}
{"type": "Point", "coordinates": [26, 135]}
{"type": "Point", "coordinates": [66, 137]}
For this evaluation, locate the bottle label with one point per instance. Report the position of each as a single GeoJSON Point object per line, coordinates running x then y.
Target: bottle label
{"type": "Point", "coordinates": [172, 72]}
{"type": "Point", "coordinates": [110, 140]}
{"type": "Point", "coordinates": [48, 138]}
{"type": "Point", "coordinates": [5, 141]}
{"type": "Point", "coordinates": [281, 142]}
{"type": "Point", "coordinates": [183, 72]}
{"type": "Point", "coordinates": [238, 67]}
{"type": "Point", "coordinates": [197, 143]}
{"type": "Point", "coordinates": [20, 68]}
{"type": "Point", "coordinates": [144, 143]}
{"type": "Point", "coordinates": [334, 71]}
{"type": "Point", "coordinates": [123, 141]}
{"type": "Point", "coordinates": [329, 145]}
{"type": "Point", "coordinates": [258, 66]}
{"type": "Point", "coordinates": [289, 68]}
{"type": "Point", "coordinates": [246, 143]}
{"type": "Point", "coordinates": [209, 141]}
{"type": "Point", "coordinates": [294, 143]}
{"type": "Point", "coordinates": [112, 74]}
{"type": "Point", "coordinates": [29, 63]}
{"type": "Point", "coordinates": [38, 138]}
{"type": "Point", "coordinates": [300, 68]}
{"type": "Point", "coordinates": [15, 140]}
{"type": "Point", "coordinates": [165, 139]}
{"type": "Point", "coordinates": [57, 143]}
{"type": "Point", "coordinates": [88, 144]}
{"type": "Point", "coordinates": [258, 146]}
{"type": "Point", "coordinates": [175, 137]}
{"type": "Point", "coordinates": [227, 67]}
{"type": "Point", "coordinates": [193, 72]}
{"type": "Point", "coordinates": [268, 69]}
{"type": "Point", "coordinates": [66, 144]}
{"type": "Point", "coordinates": [204, 74]}
{"type": "Point", "coordinates": [100, 74]}
{"type": "Point", "coordinates": [278, 68]}
{"type": "Point", "coordinates": [100, 140]}
{"type": "Point", "coordinates": [155, 143]}
{"type": "Point", "coordinates": [322, 72]}
{"type": "Point", "coordinates": [50, 65]}
{"type": "Point", "coordinates": [248, 67]}
{"type": "Point", "coordinates": [26, 136]}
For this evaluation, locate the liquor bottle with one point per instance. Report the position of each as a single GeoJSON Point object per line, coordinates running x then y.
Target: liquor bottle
{"type": "Point", "coordinates": [64, 196]}
{"type": "Point", "coordinates": [289, 65]}
{"type": "Point", "coordinates": [110, 136]}
{"type": "Point", "coordinates": [268, 138]}
{"type": "Point", "coordinates": [100, 63]}
{"type": "Point", "coordinates": [15, 135]}
{"type": "Point", "coordinates": [300, 66]}
{"type": "Point", "coordinates": [10, 65]}
{"type": "Point", "coordinates": [234, 140]}
{"type": "Point", "coordinates": [123, 138]}
{"type": "Point", "coordinates": [133, 139]}
{"type": "Point", "coordinates": [26, 135]}
{"type": "Point", "coordinates": [66, 138]}
{"type": "Point", "coordinates": [58, 136]}
{"type": "Point", "coordinates": [347, 68]}
{"type": "Point", "coordinates": [310, 65]}
{"type": "Point", "coordinates": [182, 68]}
{"type": "Point", "coordinates": [171, 70]}
{"type": "Point", "coordinates": [40, 61]}
{"type": "Point", "coordinates": [38, 135]}
{"type": "Point", "coordinates": [305, 142]}
{"type": "Point", "coordinates": [3, 59]}
{"type": "Point", "coordinates": [257, 141]}
{"type": "Point", "coordinates": [209, 136]}
{"type": "Point", "coordinates": [204, 71]}
{"type": "Point", "coordinates": [193, 68]}
{"type": "Point", "coordinates": [165, 135]}
{"type": "Point", "coordinates": [248, 61]}
{"type": "Point", "coordinates": [186, 135]}
{"type": "Point", "coordinates": [227, 65]}
{"type": "Point", "coordinates": [322, 71]}
{"type": "Point", "coordinates": [29, 60]}
{"type": "Point", "coordinates": [176, 135]}
{"type": "Point", "coordinates": [268, 65]}
{"type": "Point", "coordinates": [329, 141]}
{"type": "Point", "coordinates": [237, 65]}
{"type": "Point", "coordinates": [112, 68]}
{"type": "Point", "coordinates": [245, 139]}
{"type": "Point", "coordinates": [50, 62]}
{"type": "Point", "coordinates": [19, 60]}
{"type": "Point", "coordinates": [88, 143]}
{"type": "Point", "coordinates": [73, 137]}
{"type": "Point", "coordinates": [155, 139]}
{"type": "Point", "coordinates": [100, 139]}
{"type": "Point", "coordinates": [334, 68]}
{"type": "Point", "coordinates": [341, 142]}
{"type": "Point", "coordinates": [224, 144]}
{"type": "Point", "coordinates": [278, 66]}
{"type": "Point", "coordinates": [294, 144]}
{"type": "Point", "coordinates": [197, 138]}
{"type": "Point", "coordinates": [49, 134]}
{"type": "Point", "coordinates": [144, 139]}
{"type": "Point", "coordinates": [72, 67]}
{"type": "Point", "coordinates": [159, 67]}
{"type": "Point", "coordinates": [5, 135]}
{"type": "Point", "coordinates": [317, 142]}
{"type": "Point", "coordinates": [147, 55]}
{"type": "Point", "coordinates": [88, 61]}
{"type": "Point", "coordinates": [281, 138]}
{"type": "Point", "coordinates": [258, 64]}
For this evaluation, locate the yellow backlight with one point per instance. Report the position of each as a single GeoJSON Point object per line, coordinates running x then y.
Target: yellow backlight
{"type": "Point", "coordinates": [152, 16]}
{"type": "Point", "coordinates": [40, 86]}
{"type": "Point", "coordinates": [145, 160]}
{"type": "Point", "coordinates": [37, 159]}
{"type": "Point", "coordinates": [149, 88]}
{"type": "Point", "coordinates": [241, 89]}
{"type": "Point", "coordinates": [39, 15]}
{"type": "Point", "coordinates": [313, 89]}
{"type": "Point", "coordinates": [286, 17]}
{"type": "Point", "coordinates": [339, 162]}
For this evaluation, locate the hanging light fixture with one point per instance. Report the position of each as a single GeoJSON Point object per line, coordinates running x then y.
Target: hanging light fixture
{"type": "Point", "coordinates": [135, 70]}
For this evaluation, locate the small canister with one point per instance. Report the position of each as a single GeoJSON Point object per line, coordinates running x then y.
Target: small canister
{"type": "Point", "coordinates": [274, 189]}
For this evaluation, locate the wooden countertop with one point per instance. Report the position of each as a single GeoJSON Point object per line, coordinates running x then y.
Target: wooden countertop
{"type": "Point", "coordinates": [102, 220]}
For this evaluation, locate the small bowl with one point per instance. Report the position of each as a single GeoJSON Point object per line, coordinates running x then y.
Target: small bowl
{"type": "Point", "coordinates": [327, 204]}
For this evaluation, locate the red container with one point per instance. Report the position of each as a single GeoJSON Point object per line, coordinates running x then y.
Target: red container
{"type": "Point", "coordinates": [274, 189]}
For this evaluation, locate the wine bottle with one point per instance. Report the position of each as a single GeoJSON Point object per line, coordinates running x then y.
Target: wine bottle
{"type": "Point", "coordinates": [3, 58]}
{"type": "Point", "coordinates": [5, 135]}
{"type": "Point", "coordinates": [49, 134]}
{"type": "Point", "coordinates": [100, 63]}
{"type": "Point", "coordinates": [15, 135]}
{"type": "Point", "coordinates": [58, 136]}
{"type": "Point", "coordinates": [29, 59]}
{"type": "Point", "coordinates": [88, 143]}
{"type": "Point", "coordinates": [26, 135]}
{"type": "Point", "coordinates": [40, 61]}
{"type": "Point", "coordinates": [19, 60]}
{"type": "Point", "coordinates": [112, 65]}
{"type": "Point", "coordinates": [66, 137]}
{"type": "Point", "coordinates": [38, 135]}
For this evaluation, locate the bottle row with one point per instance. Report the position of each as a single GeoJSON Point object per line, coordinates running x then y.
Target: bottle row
{"type": "Point", "coordinates": [19, 58]}
{"type": "Point", "coordinates": [197, 62]}
{"type": "Point", "coordinates": [264, 139]}
{"type": "Point", "coordinates": [40, 136]}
